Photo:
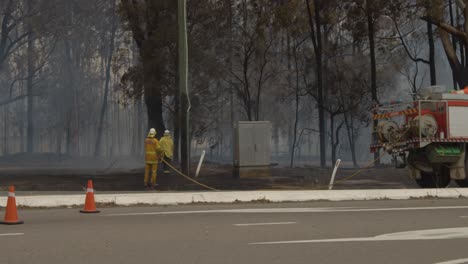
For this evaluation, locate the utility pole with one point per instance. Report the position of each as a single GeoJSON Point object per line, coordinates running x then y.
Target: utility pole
{"type": "Point", "coordinates": [184, 99]}
{"type": "Point", "coordinates": [231, 85]}
{"type": "Point", "coordinates": [371, 36]}
{"type": "Point", "coordinates": [29, 80]}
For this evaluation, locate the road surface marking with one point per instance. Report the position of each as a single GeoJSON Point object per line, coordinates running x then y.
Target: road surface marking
{"type": "Point", "coordinates": [430, 234]}
{"type": "Point", "coordinates": [464, 216]}
{"type": "Point", "coordinates": [260, 224]}
{"type": "Point", "coordinates": [12, 234]}
{"type": "Point", "coordinates": [296, 210]}
{"type": "Point", "coordinates": [455, 261]}
{"type": "Point", "coordinates": [242, 211]}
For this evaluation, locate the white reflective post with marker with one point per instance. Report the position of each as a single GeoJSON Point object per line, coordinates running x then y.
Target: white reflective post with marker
{"type": "Point", "coordinates": [337, 164]}
{"type": "Point", "coordinates": [200, 163]}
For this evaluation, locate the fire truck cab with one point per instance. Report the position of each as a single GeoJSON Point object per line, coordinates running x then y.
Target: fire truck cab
{"type": "Point", "coordinates": [429, 136]}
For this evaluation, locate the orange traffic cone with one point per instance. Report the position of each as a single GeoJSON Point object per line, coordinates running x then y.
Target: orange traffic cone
{"type": "Point", "coordinates": [90, 206]}
{"type": "Point", "coordinates": [11, 215]}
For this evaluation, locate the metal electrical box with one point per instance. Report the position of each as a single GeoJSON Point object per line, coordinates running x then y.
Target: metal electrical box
{"type": "Point", "coordinates": [252, 145]}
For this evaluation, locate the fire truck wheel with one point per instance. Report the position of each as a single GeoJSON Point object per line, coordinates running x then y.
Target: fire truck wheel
{"type": "Point", "coordinates": [441, 179]}
{"type": "Point", "coordinates": [462, 183]}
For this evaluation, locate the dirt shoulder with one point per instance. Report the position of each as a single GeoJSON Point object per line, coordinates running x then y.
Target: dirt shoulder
{"type": "Point", "coordinates": [51, 173]}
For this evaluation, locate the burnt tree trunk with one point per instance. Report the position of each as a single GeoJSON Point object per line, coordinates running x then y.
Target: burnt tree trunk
{"type": "Point", "coordinates": [332, 137]}
{"type": "Point", "coordinates": [143, 30]}
{"type": "Point", "coordinates": [153, 101]}
{"type": "Point", "coordinates": [454, 40]}
{"type": "Point", "coordinates": [457, 65]}
{"type": "Point", "coordinates": [176, 125]}
{"type": "Point", "coordinates": [110, 54]}
{"type": "Point", "coordinates": [316, 35]}
{"type": "Point", "coordinates": [351, 139]}
{"type": "Point", "coordinates": [430, 35]}
{"type": "Point", "coordinates": [29, 81]}
{"type": "Point", "coordinates": [336, 142]}
{"type": "Point", "coordinates": [296, 116]}
{"type": "Point", "coordinates": [460, 72]}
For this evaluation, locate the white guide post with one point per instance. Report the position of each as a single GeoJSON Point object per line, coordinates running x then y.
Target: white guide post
{"type": "Point", "coordinates": [337, 164]}
{"type": "Point", "coordinates": [200, 163]}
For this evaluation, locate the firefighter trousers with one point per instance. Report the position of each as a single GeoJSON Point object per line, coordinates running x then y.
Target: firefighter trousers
{"type": "Point", "coordinates": [153, 168]}
{"type": "Point", "coordinates": [165, 166]}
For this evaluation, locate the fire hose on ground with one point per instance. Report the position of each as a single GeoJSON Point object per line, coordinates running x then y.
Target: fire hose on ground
{"type": "Point", "coordinates": [316, 188]}
{"type": "Point", "coordinates": [187, 177]}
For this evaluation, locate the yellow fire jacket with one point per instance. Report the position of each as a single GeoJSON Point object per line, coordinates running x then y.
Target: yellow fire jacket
{"type": "Point", "coordinates": [167, 146]}
{"type": "Point", "coordinates": [152, 150]}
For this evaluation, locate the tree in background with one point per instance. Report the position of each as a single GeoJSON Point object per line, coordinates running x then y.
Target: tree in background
{"type": "Point", "coordinates": [153, 26]}
{"type": "Point", "coordinates": [314, 12]}
{"type": "Point", "coordinates": [57, 69]}
{"type": "Point", "coordinates": [92, 75]}
{"type": "Point", "coordinates": [13, 32]}
{"type": "Point", "coordinates": [108, 53]}
{"type": "Point", "coordinates": [255, 31]}
{"type": "Point", "coordinates": [436, 16]}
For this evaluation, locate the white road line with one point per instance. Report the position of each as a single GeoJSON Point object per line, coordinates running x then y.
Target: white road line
{"type": "Point", "coordinates": [12, 234]}
{"type": "Point", "coordinates": [261, 224]}
{"type": "Point", "coordinates": [241, 211]}
{"type": "Point", "coordinates": [296, 210]}
{"type": "Point", "coordinates": [464, 216]}
{"type": "Point", "coordinates": [430, 234]}
{"type": "Point", "coordinates": [455, 261]}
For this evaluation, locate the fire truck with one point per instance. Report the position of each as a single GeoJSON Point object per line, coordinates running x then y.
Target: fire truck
{"type": "Point", "coordinates": [428, 135]}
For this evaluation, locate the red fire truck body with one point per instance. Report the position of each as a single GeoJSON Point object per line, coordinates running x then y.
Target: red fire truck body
{"type": "Point", "coordinates": [428, 135]}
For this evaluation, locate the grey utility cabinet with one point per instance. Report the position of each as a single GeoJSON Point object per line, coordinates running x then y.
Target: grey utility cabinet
{"type": "Point", "coordinates": [252, 143]}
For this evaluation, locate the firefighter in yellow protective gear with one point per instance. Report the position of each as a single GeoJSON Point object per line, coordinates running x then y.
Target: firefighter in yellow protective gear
{"type": "Point", "coordinates": [153, 155]}
{"type": "Point", "coordinates": [167, 145]}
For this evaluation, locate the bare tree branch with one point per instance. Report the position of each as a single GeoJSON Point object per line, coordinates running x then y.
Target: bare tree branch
{"type": "Point", "coordinates": [403, 42]}
{"type": "Point", "coordinates": [9, 101]}
{"type": "Point", "coordinates": [448, 28]}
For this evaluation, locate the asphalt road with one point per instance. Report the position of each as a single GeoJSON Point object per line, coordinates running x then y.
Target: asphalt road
{"type": "Point", "coordinates": [318, 232]}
